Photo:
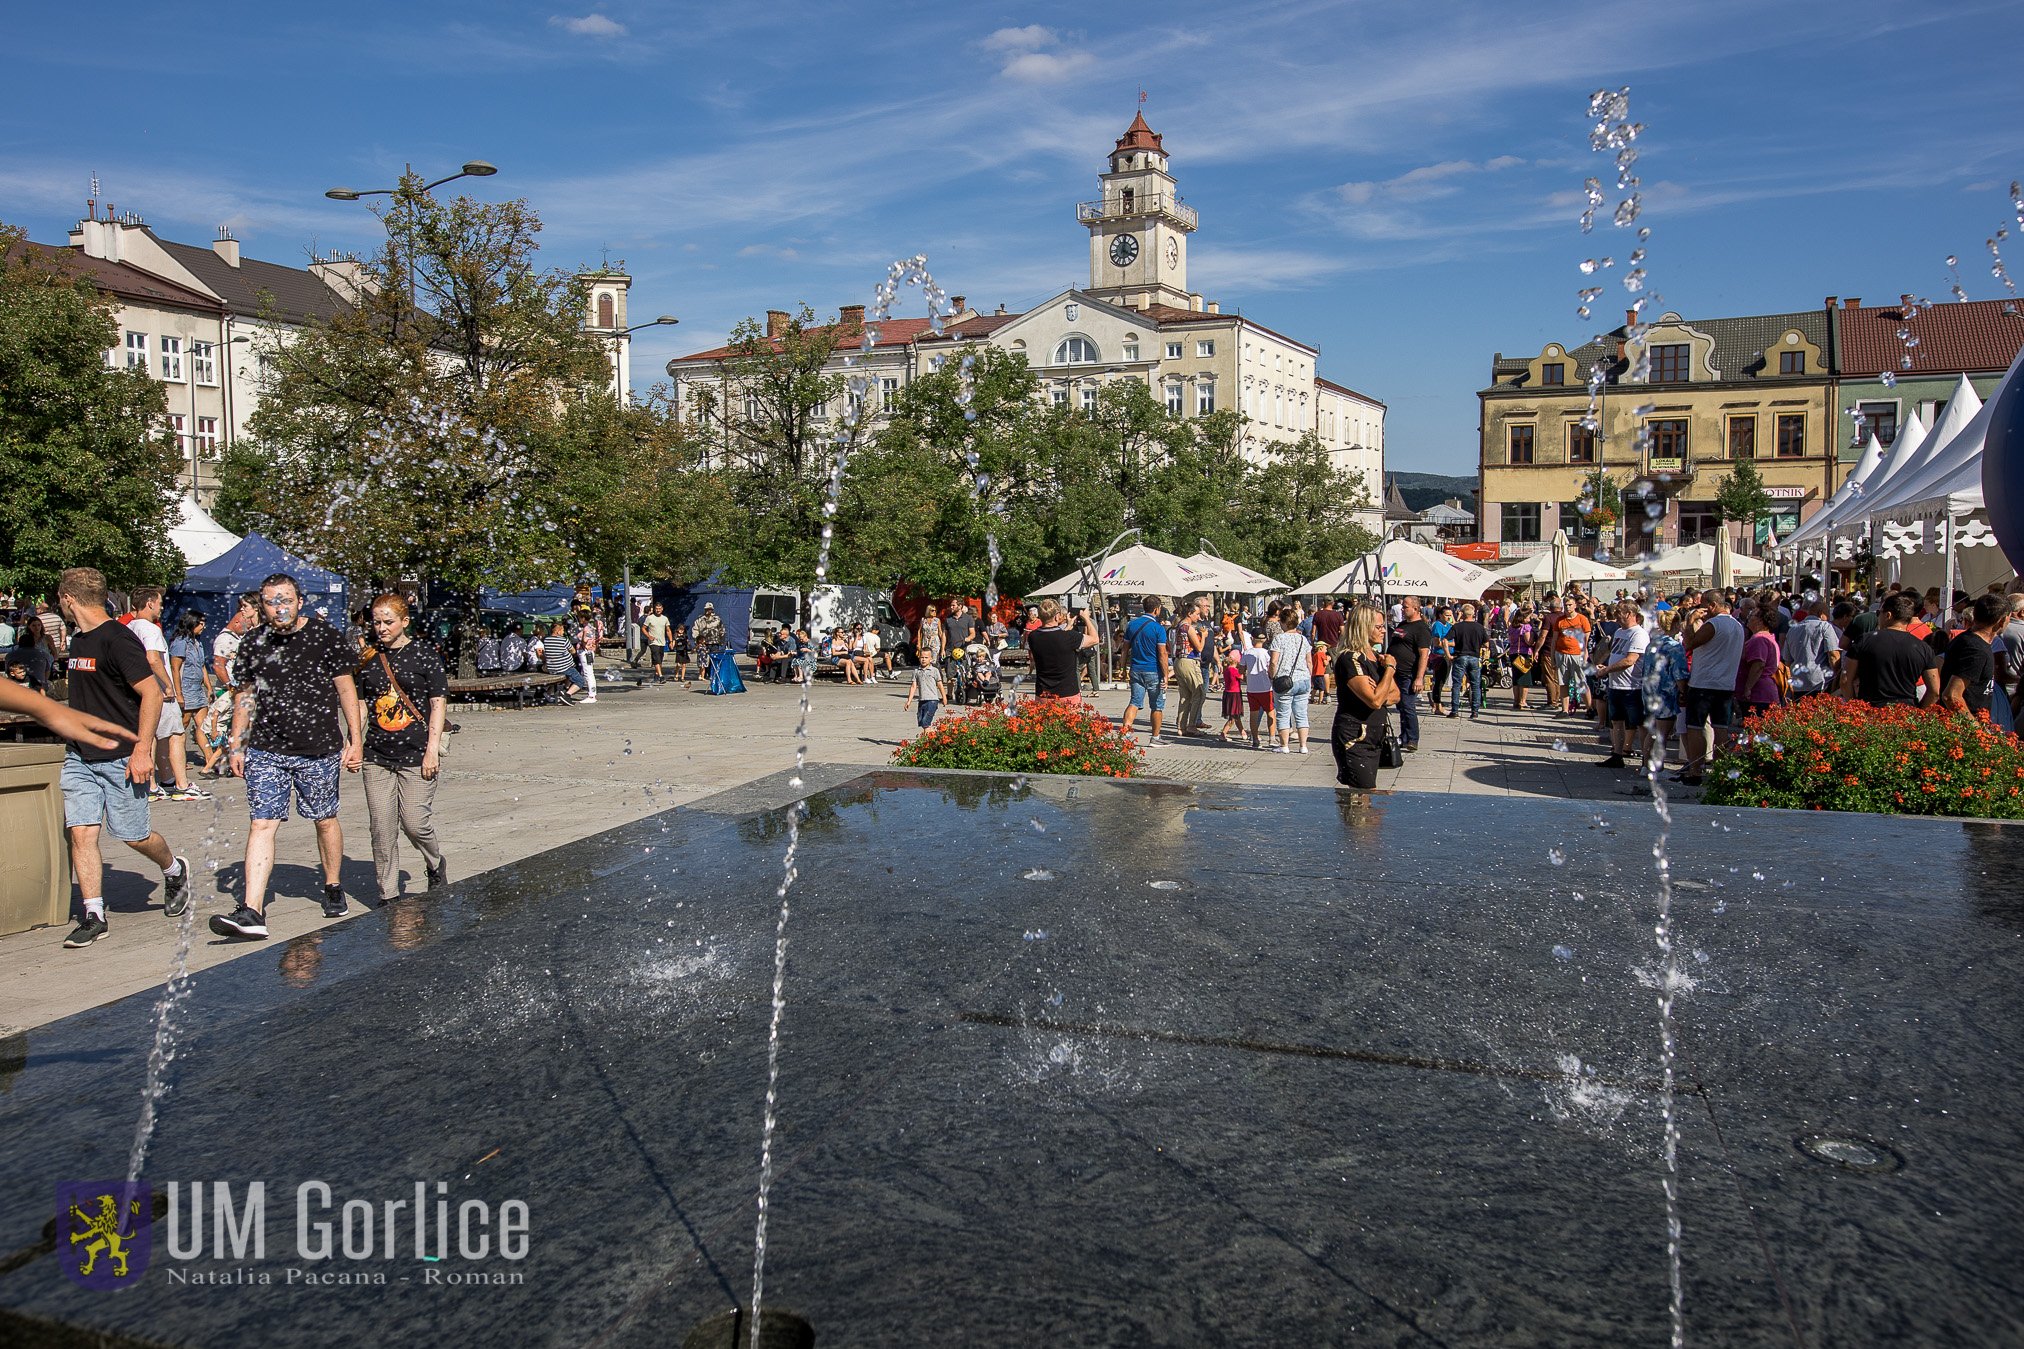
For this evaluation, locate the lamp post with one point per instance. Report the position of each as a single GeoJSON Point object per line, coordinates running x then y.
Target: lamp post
{"type": "Point", "coordinates": [476, 168]}
{"type": "Point", "coordinates": [631, 627]}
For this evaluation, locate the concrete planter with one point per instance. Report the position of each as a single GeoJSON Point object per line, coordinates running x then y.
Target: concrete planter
{"type": "Point", "coordinates": [35, 864]}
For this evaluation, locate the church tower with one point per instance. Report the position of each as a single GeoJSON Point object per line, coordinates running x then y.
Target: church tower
{"type": "Point", "coordinates": [1138, 230]}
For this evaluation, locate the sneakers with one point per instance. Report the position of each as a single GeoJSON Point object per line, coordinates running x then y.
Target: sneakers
{"type": "Point", "coordinates": [176, 890]}
{"type": "Point", "coordinates": [334, 905]}
{"type": "Point", "coordinates": [1279, 749]}
{"type": "Point", "coordinates": [439, 876]}
{"type": "Point", "coordinates": [1614, 761]}
{"type": "Point", "coordinates": [85, 933]}
{"type": "Point", "coordinates": [190, 793]}
{"type": "Point", "coordinates": [157, 792]}
{"type": "Point", "coordinates": [1153, 741]}
{"type": "Point", "coordinates": [1303, 749]}
{"type": "Point", "coordinates": [241, 922]}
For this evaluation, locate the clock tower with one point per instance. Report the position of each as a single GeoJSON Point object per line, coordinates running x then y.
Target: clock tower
{"type": "Point", "coordinates": [1139, 228]}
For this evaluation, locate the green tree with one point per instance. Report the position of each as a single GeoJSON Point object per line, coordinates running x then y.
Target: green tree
{"type": "Point", "coordinates": [429, 430]}
{"type": "Point", "coordinates": [1742, 497]}
{"type": "Point", "coordinates": [87, 463]}
{"type": "Point", "coordinates": [1298, 516]}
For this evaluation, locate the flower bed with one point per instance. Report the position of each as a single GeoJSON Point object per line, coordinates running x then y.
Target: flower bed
{"type": "Point", "coordinates": [1828, 754]}
{"type": "Point", "coordinates": [1036, 736]}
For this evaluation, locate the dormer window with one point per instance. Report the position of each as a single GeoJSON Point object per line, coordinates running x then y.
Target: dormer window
{"type": "Point", "coordinates": [1669, 363]}
{"type": "Point", "coordinates": [1553, 372]}
{"type": "Point", "coordinates": [1791, 362]}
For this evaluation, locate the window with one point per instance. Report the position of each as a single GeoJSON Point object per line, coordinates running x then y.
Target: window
{"type": "Point", "coordinates": [752, 407]}
{"type": "Point", "coordinates": [1060, 395]}
{"type": "Point", "coordinates": [1521, 453]}
{"type": "Point", "coordinates": [1204, 348]}
{"type": "Point", "coordinates": [176, 427]}
{"type": "Point", "coordinates": [203, 363]}
{"type": "Point", "coordinates": [137, 352]}
{"type": "Point", "coordinates": [1205, 397]}
{"type": "Point", "coordinates": [207, 437]}
{"type": "Point", "coordinates": [1791, 362]}
{"type": "Point", "coordinates": [1877, 418]}
{"type": "Point", "coordinates": [1791, 435]}
{"type": "Point", "coordinates": [1700, 521]}
{"type": "Point", "coordinates": [1173, 351]}
{"type": "Point", "coordinates": [1553, 372]}
{"type": "Point", "coordinates": [1580, 444]}
{"type": "Point", "coordinates": [1669, 440]}
{"type": "Point", "coordinates": [172, 359]}
{"type": "Point", "coordinates": [1521, 520]}
{"type": "Point", "coordinates": [888, 394]}
{"type": "Point", "coordinates": [604, 318]}
{"type": "Point", "coordinates": [1089, 398]}
{"type": "Point", "coordinates": [1075, 351]}
{"type": "Point", "coordinates": [1669, 363]}
{"type": "Point", "coordinates": [1742, 437]}
{"type": "Point", "coordinates": [1577, 525]}
{"type": "Point", "coordinates": [853, 405]}
{"type": "Point", "coordinates": [1131, 351]}
{"type": "Point", "coordinates": [1174, 397]}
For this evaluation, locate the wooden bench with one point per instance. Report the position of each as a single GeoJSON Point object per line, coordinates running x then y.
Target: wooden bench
{"type": "Point", "coordinates": [531, 684]}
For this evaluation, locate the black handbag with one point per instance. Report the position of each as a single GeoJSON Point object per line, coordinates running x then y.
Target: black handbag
{"type": "Point", "coordinates": [1390, 754]}
{"type": "Point", "coordinates": [1284, 683]}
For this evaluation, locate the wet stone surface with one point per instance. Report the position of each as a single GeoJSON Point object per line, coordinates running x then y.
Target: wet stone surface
{"type": "Point", "coordinates": [1234, 1066]}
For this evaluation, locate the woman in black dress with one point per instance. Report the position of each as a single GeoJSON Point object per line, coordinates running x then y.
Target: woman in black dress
{"type": "Point", "coordinates": [1366, 684]}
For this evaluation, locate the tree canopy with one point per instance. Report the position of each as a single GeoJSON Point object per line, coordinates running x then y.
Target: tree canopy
{"type": "Point", "coordinates": [87, 461]}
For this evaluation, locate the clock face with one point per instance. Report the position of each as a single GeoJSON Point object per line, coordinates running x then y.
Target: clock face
{"type": "Point", "coordinates": [1124, 249]}
{"type": "Point", "coordinates": [1173, 252]}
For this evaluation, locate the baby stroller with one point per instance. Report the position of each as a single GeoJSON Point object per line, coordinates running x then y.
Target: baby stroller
{"type": "Point", "coordinates": [985, 678]}
{"type": "Point", "coordinates": [1497, 669]}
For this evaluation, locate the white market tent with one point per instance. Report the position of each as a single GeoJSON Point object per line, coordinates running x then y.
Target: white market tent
{"type": "Point", "coordinates": [1697, 559]}
{"type": "Point", "coordinates": [1140, 570]}
{"type": "Point", "coordinates": [197, 536]}
{"type": "Point", "coordinates": [1865, 467]}
{"type": "Point", "coordinates": [1904, 467]}
{"type": "Point", "coordinates": [1538, 570]}
{"type": "Point", "coordinates": [1236, 578]}
{"type": "Point", "coordinates": [1401, 567]}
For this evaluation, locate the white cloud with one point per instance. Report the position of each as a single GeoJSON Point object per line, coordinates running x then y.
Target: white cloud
{"type": "Point", "coordinates": [1426, 183]}
{"type": "Point", "coordinates": [1046, 67]}
{"type": "Point", "coordinates": [590, 25]}
{"type": "Point", "coordinates": [1030, 38]}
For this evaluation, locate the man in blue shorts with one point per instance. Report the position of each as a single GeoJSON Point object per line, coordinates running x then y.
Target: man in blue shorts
{"type": "Point", "coordinates": [1147, 637]}
{"type": "Point", "coordinates": [105, 785]}
{"type": "Point", "coordinates": [295, 723]}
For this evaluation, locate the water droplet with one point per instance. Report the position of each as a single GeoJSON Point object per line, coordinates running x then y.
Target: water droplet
{"type": "Point", "coordinates": [1165, 885]}
{"type": "Point", "coordinates": [1055, 1001]}
{"type": "Point", "coordinates": [1756, 875]}
{"type": "Point", "coordinates": [1557, 857]}
{"type": "Point", "coordinates": [1039, 874]}
{"type": "Point", "coordinates": [1036, 933]}
{"type": "Point", "coordinates": [1721, 906]}
{"type": "Point", "coordinates": [1560, 952]}
{"type": "Point", "coordinates": [1560, 746]}
{"type": "Point", "coordinates": [1038, 827]}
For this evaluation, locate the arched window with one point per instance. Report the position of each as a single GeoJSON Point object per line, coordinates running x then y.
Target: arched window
{"type": "Point", "coordinates": [604, 319]}
{"type": "Point", "coordinates": [1075, 351]}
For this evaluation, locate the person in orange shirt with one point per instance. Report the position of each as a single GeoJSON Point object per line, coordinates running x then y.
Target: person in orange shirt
{"type": "Point", "coordinates": [1568, 636]}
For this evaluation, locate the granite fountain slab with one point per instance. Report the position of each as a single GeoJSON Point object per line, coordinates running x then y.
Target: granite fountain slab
{"type": "Point", "coordinates": [1090, 1063]}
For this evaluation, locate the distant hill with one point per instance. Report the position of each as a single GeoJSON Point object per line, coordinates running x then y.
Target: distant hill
{"type": "Point", "coordinates": [1422, 490]}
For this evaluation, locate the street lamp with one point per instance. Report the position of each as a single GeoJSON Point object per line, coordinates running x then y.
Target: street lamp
{"type": "Point", "coordinates": [476, 168]}
{"type": "Point", "coordinates": [665, 320]}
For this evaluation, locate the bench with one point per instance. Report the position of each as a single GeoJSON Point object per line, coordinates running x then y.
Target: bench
{"type": "Point", "coordinates": [531, 684]}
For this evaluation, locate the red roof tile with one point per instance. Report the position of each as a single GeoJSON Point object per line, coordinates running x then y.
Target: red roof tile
{"type": "Point", "coordinates": [1139, 136]}
{"type": "Point", "coordinates": [891, 333]}
{"type": "Point", "coordinates": [120, 280]}
{"type": "Point", "coordinates": [1953, 338]}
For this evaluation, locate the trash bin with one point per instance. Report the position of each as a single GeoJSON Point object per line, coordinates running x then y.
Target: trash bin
{"type": "Point", "coordinates": [35, 864]}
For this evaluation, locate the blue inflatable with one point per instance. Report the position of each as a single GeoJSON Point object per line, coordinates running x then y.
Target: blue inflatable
{"type": "Point", "coordinates": [2003, 469]}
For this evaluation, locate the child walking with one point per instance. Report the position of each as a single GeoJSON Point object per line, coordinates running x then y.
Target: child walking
{"type": "Point", "coordinates": [1233, 692]}
{"type": "Point", "coordinates": [927, 690]}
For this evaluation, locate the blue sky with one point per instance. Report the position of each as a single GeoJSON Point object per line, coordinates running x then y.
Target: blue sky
{"type": "Point", "coordinates": [1397, 184]}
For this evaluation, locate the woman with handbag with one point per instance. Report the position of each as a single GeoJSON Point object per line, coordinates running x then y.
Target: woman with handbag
{"type": "Point", "coordinates": [1292, 657]}
{"type": "Point", "coordinates": [402, 684]}
{"type": "Point", "coordinates": [1366, 684]}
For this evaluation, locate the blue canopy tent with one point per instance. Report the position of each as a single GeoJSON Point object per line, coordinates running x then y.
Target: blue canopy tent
{"type": "Point", "coordinates": [213, 589]}
{"type": "Point", "coordinates": [545, 602]}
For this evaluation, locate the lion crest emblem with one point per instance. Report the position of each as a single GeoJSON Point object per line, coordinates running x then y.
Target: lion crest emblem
{"type": "Point", "coordinates": [106, 1231]}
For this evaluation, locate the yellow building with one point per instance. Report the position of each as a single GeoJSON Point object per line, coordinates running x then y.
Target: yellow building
{"type": "Point", "coordinates": [1720, 391]}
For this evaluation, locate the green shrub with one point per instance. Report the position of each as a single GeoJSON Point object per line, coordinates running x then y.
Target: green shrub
{"type": "Point", "coordinates": [1041, 735]}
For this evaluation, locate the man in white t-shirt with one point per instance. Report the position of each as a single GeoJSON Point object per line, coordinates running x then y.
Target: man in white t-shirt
{"type": "Point", "coordinates": [171, 758]}
{"type": "Point", "coordinates": [867, 661]}
{"type": "Point", "coordinates": [1627, 646]}
{"type": "Point", "coordinates": [1714, 647]}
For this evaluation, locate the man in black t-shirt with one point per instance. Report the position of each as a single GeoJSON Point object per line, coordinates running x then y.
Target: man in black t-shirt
{"type": "Point", "coordinates": [1968, 674]}
{"type": "Point", "coordinates": [111, 680]}
{"type": "Point", "coordinates": [1056, 652]}
{"type": "Point", "coordinates": [1887, 668]}
{"type": "Point", "coordinates": [295, 722]}
{"type": "Point", "coordinates": [1471, 641]}
{"type": "Point", "coordinates": [1412, 642]}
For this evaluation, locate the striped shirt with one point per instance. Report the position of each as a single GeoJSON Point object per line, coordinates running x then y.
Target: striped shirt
{"type": "Point", "coordinates": [558, 656]}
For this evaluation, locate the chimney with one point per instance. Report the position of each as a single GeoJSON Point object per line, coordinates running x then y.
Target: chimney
{"type": "Point", "coordinates": [1001, 307]}
{"type": "Point", "coordinates": [851, 316]}
{"type": "Point", "coordinates": [776, 322]}
{"type": "Point", "coordinates": [1215, 306]}
{"type": "Point", "coordinates": [226, 247]}
{"type": "Point", "coordinates": [1833, 300]}
{"type": "Point", "coordinates": [1630, 318]}
{"type": "Point", "coordinates": [1852, 302]}
{"type": "Point", "coordinates": [1195, 301]}
{"type": "Point", "coordinates": [960, 304]}
{"type": "Point", "coordinates": [344, 276]}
